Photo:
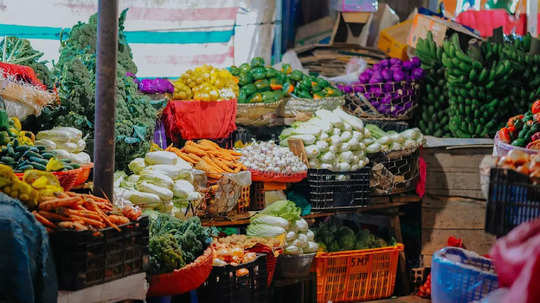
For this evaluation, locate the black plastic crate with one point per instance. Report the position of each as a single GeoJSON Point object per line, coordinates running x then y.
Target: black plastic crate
{"type": "Point", "coordinates": [87, 258]}
{"type": "Point", "coordinates": [338, 190]}
{"type": "Point", "coordinates": [224, 286]}
{"type": "Point", "coordinates": [394, 172]}
{"type": "Point", "coordinates": [512, 200]}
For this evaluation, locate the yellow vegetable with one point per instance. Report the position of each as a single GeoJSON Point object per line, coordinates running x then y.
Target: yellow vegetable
{"type": "Point", "coordinates": [54, 165]}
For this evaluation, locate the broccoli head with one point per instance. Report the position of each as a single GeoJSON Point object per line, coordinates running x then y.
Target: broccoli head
{"type": "Point", "coordinates": [346, 238]}
{"type": "Point", "coordinates": [165, 254]}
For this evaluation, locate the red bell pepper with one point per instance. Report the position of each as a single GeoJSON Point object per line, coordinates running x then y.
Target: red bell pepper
{"type": "Point", "coordinates": [504, 135]}
{"type": "Point", "coordinates": [535, 108]}
{"type": "Point", "coordinates": [512, 120]}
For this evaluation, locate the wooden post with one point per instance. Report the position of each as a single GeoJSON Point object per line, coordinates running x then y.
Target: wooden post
{"type": "Point", "coordinates": [107, 44]}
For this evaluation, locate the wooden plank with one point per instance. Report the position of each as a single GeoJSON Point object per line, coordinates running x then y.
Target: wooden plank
{"type": "Point", "coordinates": [453, 213]}
{"type": "Point", "coordinates": [426, 260]}
{"type": "Point", "coordinates": [474, 239]}
{"type": "Point", "coordinates": [469, 193]}
{"type": "Point", "coordinates": [455, 160]}
{"type": "Point", "coordinates": [452, 180]}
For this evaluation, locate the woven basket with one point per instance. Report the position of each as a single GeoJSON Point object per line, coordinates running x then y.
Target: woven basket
{"type": "Point", "coordinates": [362, 103]}
{"type": "Point", "coordinates": [66, 178]}
{"type": "Point", "coordinates": [257, 114]}
{"type": "Point", "coordinates": [183, 280]}
{"type": "Point", "coordinates": [394, 172]}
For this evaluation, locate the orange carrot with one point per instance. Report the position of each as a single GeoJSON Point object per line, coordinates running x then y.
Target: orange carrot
{"type": "Point", "coordinates": [118, 219]}
{"type": "Point", "coordinates": [209, 143]}
{"type": "Point", "coordinates": [191, 149]}
{"type": "Point", "coordinates": [96, 208]}
{"type": "Point", "coordinates": [43, 220]}
{"type": "Point", "coordinates": [92, 222]}
{"type": "Point", "coordinates": [83, 213]}
{"type": "Point", "coordinates": [72, 225]}
{"type": "Point", "coordinates": [63, 202]}
{"type": "Point", "coordinates": [53, 216]}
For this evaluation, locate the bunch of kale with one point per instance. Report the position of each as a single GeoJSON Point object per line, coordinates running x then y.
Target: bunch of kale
{"type": "Point", "coordinates": [75, 74]}
{"type": "Point", "coordinates": [174, 243]}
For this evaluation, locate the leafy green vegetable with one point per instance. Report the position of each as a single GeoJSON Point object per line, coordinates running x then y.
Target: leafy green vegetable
{"type": "Point", "coordinates": [20, 51]}
{"type": "Point", "coordinates": [284, 209]}
{"type": "Point", "coordinates": [332, 237]}
{"type": "Point", "coordinates": [175, 243]}
{"type": "Point", "coordinates": [75, 72]}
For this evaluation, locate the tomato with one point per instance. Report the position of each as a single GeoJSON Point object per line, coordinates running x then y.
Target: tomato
{"type": "Point", "coordinates": [535, 108]}
{"type": "Point", "coordinates": [504, 135]}
{"type": "Point", "coordinates": [513, 119]}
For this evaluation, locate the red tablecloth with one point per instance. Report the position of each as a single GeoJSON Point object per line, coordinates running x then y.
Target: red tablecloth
{"type": "Point", "coordinates": [199, 120]}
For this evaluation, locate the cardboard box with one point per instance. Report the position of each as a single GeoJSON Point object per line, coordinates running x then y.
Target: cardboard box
{"type": "Point", "coordinates": [440, 28]}
{"type": "Point", "coordinates": [393, 40]}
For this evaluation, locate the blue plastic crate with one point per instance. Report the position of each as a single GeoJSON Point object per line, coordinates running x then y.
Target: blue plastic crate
{"type": "Point", "coordinates": [461, 276]}
{"type": "Point", "coordinates": [512, 200]}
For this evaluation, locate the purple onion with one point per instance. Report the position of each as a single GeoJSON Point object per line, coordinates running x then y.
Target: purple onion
{"type": "Point", "coordinates": [407, 65]}
{"type": "Point", "coordinates": [417, 73]}
{"type": "Point", "coordinates": [375, 91]}
{"type": "Point", "coordinates": [387, 99]}
{"type": "Point", "coordinates": [395, 61]}
{"type": "Point", "coordinates": [416, 61]}
{"type": "Point", "coordinates": [388, 86]}
{"type": "Point", "coordinates": [364, 77]}
{"type": "Point", "coordinates": [387, 74]}
{"type": "Point", "coordinates": [399, 75]}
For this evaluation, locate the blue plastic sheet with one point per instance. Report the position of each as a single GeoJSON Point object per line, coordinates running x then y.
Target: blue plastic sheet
{"type": "Point", "coordinates": [28, 272]}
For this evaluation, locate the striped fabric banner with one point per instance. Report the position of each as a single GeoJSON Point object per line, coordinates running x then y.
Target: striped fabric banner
{"type": "Point", "coordinates": [167, 36]}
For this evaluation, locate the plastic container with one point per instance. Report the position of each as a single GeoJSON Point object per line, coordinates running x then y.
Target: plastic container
{"type": "Point", "coordinates": [87, 258]}
{"type": "Point", "coordinates": [244, 200]}
{"type": "Point", "coordinates": [458, 275]}
{"type": "Point", "coordinates": [356, 275]}
{"type": "Point", "coordinates": [393, 40]}
{"type": "Point", "coordinates": [394, 172]}
{"type": "Point", "coordinates": [271, 259]}
{"type": "Point", "coordinates": [260, 176]}
{"type": "Point", "coordinates": [86, 169]}
{"type": "Point", "coordinates": [182, 280]}
{"type": "Point", "coordinates": [294, 266]}
{"type": "Point", "coordinates": [501, 149]}
{"type": "Point", "coordinates": [512, 200]}
{"type": "Point", "coordinates": [336, 190]}
{"type": "Point", "coordinates": [258, 193]}
{"type": "Point", "coordinates": [227, 284]}
{"type": "Point", "coordinates": [67, 179]}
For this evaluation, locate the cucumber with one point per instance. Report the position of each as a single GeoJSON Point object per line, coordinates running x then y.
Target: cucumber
{"type": "Point", "coordinates": [25, 167]}
{"type": "Point", "coordinates": [22, 148]}
{"type": "Point", "coordinates": [38, 160]}
{"type": "Point", "coordinates": [47, 155]}
{"type": "Point", "coordinates": [38, 166]}
{"type": "Point", "coordinates": [41, 148]}
{"type": "Point", "coordinates": [31, 153]}
{"type": "Point", "coordinates": [75, 166]}
{"type": "Point", "coordinates": [8, 160]}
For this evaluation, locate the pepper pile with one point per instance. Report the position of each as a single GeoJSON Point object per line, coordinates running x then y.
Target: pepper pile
{"type": "Point", "coordinates": [311, 87]}
{"type": "Point", "coordinates": [523, 130]}
{"type": "Point", "coordinates": [259, 83]}
{"type": "Point", "coordinates": [432, 115]}
{"type": "Point", "coordinates": [205, 83]}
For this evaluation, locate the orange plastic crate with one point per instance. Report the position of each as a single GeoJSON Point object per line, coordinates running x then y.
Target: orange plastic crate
{"type": "Point", "coordinates": [356, 275]}
{"type": "Point", "coordinates": [243, 201]}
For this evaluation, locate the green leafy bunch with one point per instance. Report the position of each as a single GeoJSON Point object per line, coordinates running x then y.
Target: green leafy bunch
{"type": "Point", "coordinates": [75, 73]}
{"type": "Point", "coordinates": [174, 243]}
{"type": "Point", "coordinates": [20, 51]}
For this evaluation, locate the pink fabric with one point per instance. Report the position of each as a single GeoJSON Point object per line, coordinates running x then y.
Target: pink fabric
{"type": "Point", "coordinates": [485, 21]}
{"type": "Point", "coordinates": [517, 262]}
{"type": "Point", "coordinates": [421, 185]}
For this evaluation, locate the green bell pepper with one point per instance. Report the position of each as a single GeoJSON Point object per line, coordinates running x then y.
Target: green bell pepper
{"type": "Point", "coordinates": [257, 62]}
{"type": "Point", "coordinates": [4, 120]}
{"type": "Point", "coordinates": [296, 75]}
{"type": "Point", "coordinates": [235, 71]}
{"type": "Point", "coordinates": [242, 96]}
{"type": "Point", "coordinates": [268, 97]}
{"type": "Point", "coordinates": [286, 69]}
{"type": "Point", "coordinates": [255, 98]}
{"type": "Point", "coordinates": [250, 89]}
{"type": "Point", "coordinates": [245, 78]}
{"type": "Point", "coordinates": [271, 73]}
{"type": "Point", "coordinates": [244, 67]}
{"type": "Point", "coordinates": [301, 93]}
{"type": "Point", "coordinates": [258, 73]}
{"type": "Point", "coordinates": [262, 85]}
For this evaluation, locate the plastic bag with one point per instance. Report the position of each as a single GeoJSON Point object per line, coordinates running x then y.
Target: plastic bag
{"type": "Point", "coordinates": [517, 262]}
{"type": "Point", "coordinates": [354, 68]}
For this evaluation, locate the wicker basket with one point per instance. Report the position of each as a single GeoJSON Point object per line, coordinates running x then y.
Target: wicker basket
{"type": "Point", "coordinates": [394, 172]}
{"type": "Point", "coordinates": [257, 114]}
{"type": "Point", "coordinates": [363, 103]}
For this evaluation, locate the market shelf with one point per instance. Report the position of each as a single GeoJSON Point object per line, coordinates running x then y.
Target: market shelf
{"type": "Point", "coordinates": [380, 202]}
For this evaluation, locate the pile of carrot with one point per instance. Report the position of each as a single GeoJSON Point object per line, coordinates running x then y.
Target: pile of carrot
{"type": "Point", "coordinates": [79, 212]}
{"type": "Point", "coordinates": [207, 156]}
